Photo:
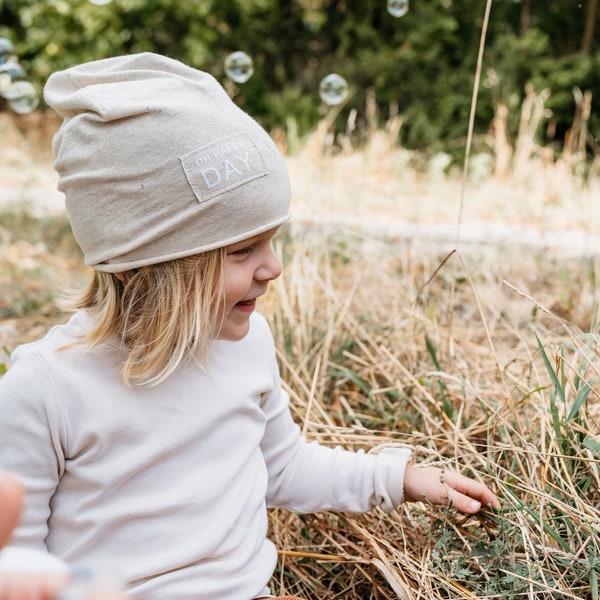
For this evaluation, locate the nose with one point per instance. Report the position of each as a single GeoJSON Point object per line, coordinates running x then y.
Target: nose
{"type": "Point", "coordinates": [269, 267]}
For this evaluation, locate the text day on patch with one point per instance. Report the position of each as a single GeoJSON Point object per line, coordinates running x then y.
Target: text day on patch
{"type": "Point", "coordinates": [223, 165]}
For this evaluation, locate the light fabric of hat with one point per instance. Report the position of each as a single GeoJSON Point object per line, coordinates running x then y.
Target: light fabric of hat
{"type": "Point", "coordinates": [157, 162]}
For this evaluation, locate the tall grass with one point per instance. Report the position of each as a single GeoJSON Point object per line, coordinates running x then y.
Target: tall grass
{"type": "Point", "coordinates": [507, 394]}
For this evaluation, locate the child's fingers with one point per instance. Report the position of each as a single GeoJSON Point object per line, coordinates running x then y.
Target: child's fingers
{"type": "Point", "coordinates": [468, 495]}
{"type": "Point", "coordinates": [11, 503]}
{"type": "Point", "coordinates": [463, 503]}
{"type": "Point", "coordinates": [447, 487]}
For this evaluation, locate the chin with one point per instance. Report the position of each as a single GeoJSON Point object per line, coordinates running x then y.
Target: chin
{"type": "Point", "coordinates": [233, 334]}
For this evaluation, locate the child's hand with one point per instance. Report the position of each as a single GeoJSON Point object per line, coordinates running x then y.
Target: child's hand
{"type": "Point", "coordinates": [437, 486]}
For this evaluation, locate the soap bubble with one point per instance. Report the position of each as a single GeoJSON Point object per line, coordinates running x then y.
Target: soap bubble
{"type": "Point", "coordinates": [6, 50]}
{"type": "Point", "coordinates": [22, 97]}
{"type": "Point", "coordinates": [16, 89]}
{"type": "Point", "coordinates": [333, 89]}
{"type": "Point", "coordinates": [397, 8]}
{"type": "Point", "coordinates": [100, 2]}
{"type": "Point", "coordinates": [24, 104]}
{"type": "Point", "coordinates": [239, 67]}
{"type": "Point", "coordinates": [14, 70]}
{"type": "Point", "coordinates": [10, 72]}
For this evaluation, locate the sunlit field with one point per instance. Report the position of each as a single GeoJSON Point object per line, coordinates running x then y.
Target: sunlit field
{"type": "Point", "coordinates": [420, 304]}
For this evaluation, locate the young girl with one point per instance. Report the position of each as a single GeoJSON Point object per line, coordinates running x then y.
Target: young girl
{"type": "Point", "coordinates": [151, 431]}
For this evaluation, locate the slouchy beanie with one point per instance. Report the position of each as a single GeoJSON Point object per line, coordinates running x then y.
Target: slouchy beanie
{"type": "Point", "coordinates": [157, 162]}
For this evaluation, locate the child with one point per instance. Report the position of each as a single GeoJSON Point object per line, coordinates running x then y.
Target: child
{"type": "Point", "coordinates": [151, 431]}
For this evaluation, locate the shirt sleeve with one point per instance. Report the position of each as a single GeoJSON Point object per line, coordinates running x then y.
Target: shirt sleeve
{"type": "Point", "coordinates": [307, 477]}
{"type": "Point", "coordinates": [31, 435]}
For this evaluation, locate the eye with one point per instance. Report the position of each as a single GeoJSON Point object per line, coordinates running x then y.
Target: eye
{"type": "Point", "coordinates": [243, 251]}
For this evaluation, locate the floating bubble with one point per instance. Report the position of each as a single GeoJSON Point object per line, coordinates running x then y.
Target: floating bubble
{"type": "Point", "coordinates": [24, 104]}
{"type": "Point", "coordinates": [333, 89]}
{"type": "Point", "coordinates": [239, 67]}
{"type": "Point", "coordinates": [14, 70]}
{"type": "Point", "coordinates": [100, 2]}
{"type": "Point", "coordinates": [27, 100]}
{"type": "Point", "coordinates": [16, 89]}
{"type": "Point", "coordinates": [397, 8]}
{"type": "Point", "coordinates": [6, 50]}
{"type": "Point", "coordinates": [22, 97]}
{"type": "Point", "coordinates": [10, 72]}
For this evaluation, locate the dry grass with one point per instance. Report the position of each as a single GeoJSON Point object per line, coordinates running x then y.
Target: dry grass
{"type": "Point", "coordinates": [483, 356]}
{"type": "Point", "coordinates": [372, 358]}
{"type": "Point", "coordinates": [397, 327]}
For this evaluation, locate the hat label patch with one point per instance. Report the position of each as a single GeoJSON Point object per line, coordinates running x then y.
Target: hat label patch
{"type": "Point", "coordinates": [223, 166]}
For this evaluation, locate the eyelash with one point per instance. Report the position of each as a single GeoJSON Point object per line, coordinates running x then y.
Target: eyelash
{"type": "Point", "coordinates": [248, 249]}
{"type": "Point", "coordinates": [243, 251]}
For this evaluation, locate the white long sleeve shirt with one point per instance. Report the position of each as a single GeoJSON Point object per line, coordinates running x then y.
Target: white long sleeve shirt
{"type": "Point", "coordinates": [168, 487]}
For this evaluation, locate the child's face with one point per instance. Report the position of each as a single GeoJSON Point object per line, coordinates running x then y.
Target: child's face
{"type": "Point", "coordinates": [249, 266]}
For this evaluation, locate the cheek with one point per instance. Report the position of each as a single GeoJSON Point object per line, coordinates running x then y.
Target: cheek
{"type": "Point", "coordinates": [236, 286]}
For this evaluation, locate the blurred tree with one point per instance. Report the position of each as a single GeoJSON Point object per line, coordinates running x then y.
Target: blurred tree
{"type": "Point", "coordinates": [590, 27]}
{"type": "Point", "coordinates": [424, 62]}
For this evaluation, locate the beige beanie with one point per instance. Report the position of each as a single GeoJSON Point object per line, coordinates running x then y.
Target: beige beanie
{"type": "Point", "coordinates": [156, 162]}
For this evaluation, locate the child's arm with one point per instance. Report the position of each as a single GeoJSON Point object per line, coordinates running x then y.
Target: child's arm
{"type": "Point", "coordinates": [306, 477]}
{"type": "Point", "coordinates": [32, 430]}
{"type": "Point", "coordinates": [438, 486]}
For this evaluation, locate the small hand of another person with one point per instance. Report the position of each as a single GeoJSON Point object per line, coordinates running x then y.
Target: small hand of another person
{"type": "Point", "coordinates": [26, 586]}
{"type": "Point", "coordinates": [19, 585]}
{"type": "Point", "coordinates": [11, 503]}
{"type": "Point", "coordinates": [438, 486]}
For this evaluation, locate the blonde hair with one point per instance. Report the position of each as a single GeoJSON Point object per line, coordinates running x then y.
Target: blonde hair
{"type": "Point", "coordinates": [163, 314]}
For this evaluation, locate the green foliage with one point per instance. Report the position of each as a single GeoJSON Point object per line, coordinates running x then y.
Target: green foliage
{"type": "Point", "coordinates": [497, 565]}
{"type": "Point", "coordinates": [4, 358]}
{"type": "Point", "coordinates": [518, 60]}
{"type": "Point", "coordinates": [424, 62]}
{"type": "Point", "coordinates": [568, 398]}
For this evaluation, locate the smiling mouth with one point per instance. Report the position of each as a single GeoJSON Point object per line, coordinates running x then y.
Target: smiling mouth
{"type": "Point", "coordinates": [250, 302]}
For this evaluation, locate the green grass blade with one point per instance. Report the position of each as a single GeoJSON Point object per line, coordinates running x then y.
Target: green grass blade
{"type": "Point", "coordinates": [553, 376]}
